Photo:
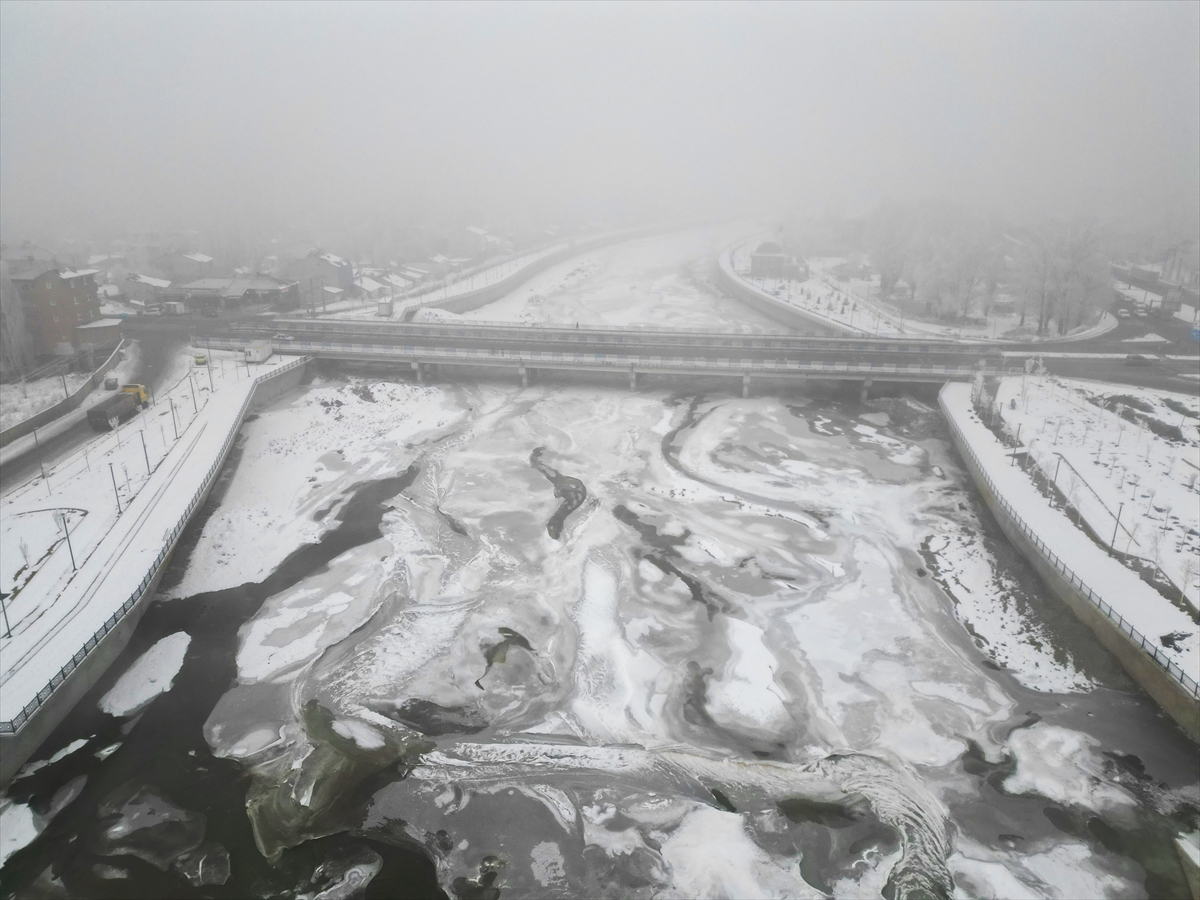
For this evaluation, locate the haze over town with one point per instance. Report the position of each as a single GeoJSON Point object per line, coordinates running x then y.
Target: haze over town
{"type": "Point", "coordinates": [557, 450]}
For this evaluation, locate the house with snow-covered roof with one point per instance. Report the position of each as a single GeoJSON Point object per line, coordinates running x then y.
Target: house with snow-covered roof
{"type": "Point", "coordinates": [240, 290]}
{"type": "Point", "coordinates": [145, 290]}
{"type": "Point", "coordinates": [320, 269]}
{"type": "Point", "coordinates": [184, 265]}
{"type": "Point", "coordinates": [369, 287]}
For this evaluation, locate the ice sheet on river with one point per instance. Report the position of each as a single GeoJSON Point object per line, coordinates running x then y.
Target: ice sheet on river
{"type": "Point", "coordinates": [734, 617]}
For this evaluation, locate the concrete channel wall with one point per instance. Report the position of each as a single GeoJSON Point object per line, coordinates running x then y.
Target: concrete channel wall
{"type": "Point", "coordinates": [20, 739]}
{"type": "Point", "coordinates": [1157, 682]}
{"type": "Point", "coordinates": [773, 307]}
{"type": "Point", "coordinates": [493, 292]}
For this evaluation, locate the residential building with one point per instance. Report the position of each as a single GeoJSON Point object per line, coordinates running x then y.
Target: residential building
{"type": "Point", "coordinates": [320, 269]}
{"type": "Point", "coordinates": [240, 290]}
{"type": "Point", "coordinates": [144, 290]}
{"type": "Point", "coordinates": [767, 261]}
{"type": "Point", "coordinates": [369, 286]}
{"type": "Point", "coordinates": [53, 301]}
{"type": "Point", "coordinates": [183, 266]}
{"type": "Point", "coordinates": [101, 332]}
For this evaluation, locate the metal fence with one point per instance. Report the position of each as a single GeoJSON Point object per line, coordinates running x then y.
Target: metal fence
{"type": "Point", "coordinates": [1152, 648]}
{"type": "Point", "coordinates": [15, 724]}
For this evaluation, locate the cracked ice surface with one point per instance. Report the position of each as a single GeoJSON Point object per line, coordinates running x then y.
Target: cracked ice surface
{"type": "Point", "coordinates": [738, 591]}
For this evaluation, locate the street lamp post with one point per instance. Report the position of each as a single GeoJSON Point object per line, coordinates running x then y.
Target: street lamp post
{"type": "Point", "coordinates": [1113, 542]}
{"type": "Point", "coordinates": [115, 491]}
{"type": "Point", "coordinates": [61, 516]}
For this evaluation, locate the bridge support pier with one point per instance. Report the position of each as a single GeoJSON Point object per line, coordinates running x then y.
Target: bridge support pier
{"type": "Point", "coordinates": [632, 380]}
{"type": "Point", "coordinates": [866, 386]}
{"type": "Point", "coordinates": [524, 377]}
{"type": "Point", "coordinates": [745, 385]}
{"type": "Point", "coordinates": [420, 374]}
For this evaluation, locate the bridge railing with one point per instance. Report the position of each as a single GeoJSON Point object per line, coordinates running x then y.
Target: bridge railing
{"type": "Point", "coordinates": [347, 324]}
{"type": "Point", "coordinates": [606, 360]}
{"type": "Point", "coordinates": [23, 716]}
{"type": "Point", "coordinates": [1153, 649]}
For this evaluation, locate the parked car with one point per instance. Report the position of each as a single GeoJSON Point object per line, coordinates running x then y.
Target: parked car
{"type": "Point", "coordinates": [1122, 314]}
{"type": "Point", "coordinates": [1136, 359]}
{"type": "Point", "coordinates": [1141, 312]}
{"type": "Point", "coordinates": [282, 337]}
{"type": "Point", "coordinates": [111, 383]}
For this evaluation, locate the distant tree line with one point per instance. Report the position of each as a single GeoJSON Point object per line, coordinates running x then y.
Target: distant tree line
{"type": "Point", "coordinates": [947, 263]}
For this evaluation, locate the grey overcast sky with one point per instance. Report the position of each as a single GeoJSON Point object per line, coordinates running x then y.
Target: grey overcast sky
{"type": "Point", "coordinates": [128, 115]}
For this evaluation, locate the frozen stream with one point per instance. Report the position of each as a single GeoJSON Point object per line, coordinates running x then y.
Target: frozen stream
{"type": "Point", "coordinates": [570, 642]}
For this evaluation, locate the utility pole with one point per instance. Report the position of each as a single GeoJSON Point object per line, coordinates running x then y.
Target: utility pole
{"type": "Point", "coordinates": [174, 424]}
{"type": "Point", "coordinates": [1113, 542]}
{"type": "Point", "coordinates": [145, 453]}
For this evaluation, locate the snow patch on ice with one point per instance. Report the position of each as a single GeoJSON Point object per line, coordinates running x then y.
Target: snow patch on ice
{"type": "Point", "coordinates": [1062, 765]}
{"type": "Point", "coordinates": [153, 673]}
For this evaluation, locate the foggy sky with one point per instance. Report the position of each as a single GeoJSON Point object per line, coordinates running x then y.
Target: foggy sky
{"type": "Point", "coordinates": [178, 115]}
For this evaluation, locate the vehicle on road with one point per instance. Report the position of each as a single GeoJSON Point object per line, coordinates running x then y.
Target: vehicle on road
{"type": "Point", "coordinates": [111, 411]}
{"type": "Point", "coordinates": [200, 359]}
{"type": "Point", "coordinates": [1136, 359]}
{"type": "Point", "coordinates": [283, 337]}
{"type": "Point", "coordinates": [111, 383]}
{"type": "Point", "coordinates": [138, 391]}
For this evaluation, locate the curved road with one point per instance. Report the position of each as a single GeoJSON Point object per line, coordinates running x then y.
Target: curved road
{"type": "Point", "coordinates": [157, 347]}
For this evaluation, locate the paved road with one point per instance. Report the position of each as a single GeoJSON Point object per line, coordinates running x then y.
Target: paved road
{"type": "Point", "coordinates": [156, 349]}
{"type": "Point", "coordinates": [1121, 342]}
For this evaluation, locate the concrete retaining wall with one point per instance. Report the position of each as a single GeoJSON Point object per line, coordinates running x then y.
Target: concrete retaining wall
{"type": "Point", "coordinates": [773, 308]}
{"type": "Point", "coordinates": [1165, 690]}
{"type": "Point", "coordinates": [493, 292]}
{"type": "Point", "coordinates": [62, 407]}
{"type": "Point", "coordinates": [15, 749]}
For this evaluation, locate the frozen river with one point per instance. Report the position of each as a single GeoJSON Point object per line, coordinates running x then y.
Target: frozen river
{"type": "Point", "coordinates": [567, 641]}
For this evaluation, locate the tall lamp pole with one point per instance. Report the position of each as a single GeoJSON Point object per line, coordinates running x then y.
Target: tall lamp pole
{"type": "Point", "coordinates": [1113, 542]}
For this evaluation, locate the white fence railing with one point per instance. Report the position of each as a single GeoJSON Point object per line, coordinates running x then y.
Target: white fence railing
{"type": "Point", "coordinates": [17, 721]}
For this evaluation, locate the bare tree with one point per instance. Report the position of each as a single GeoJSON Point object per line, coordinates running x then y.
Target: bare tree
{"type": "Point", "coordinates": [887, 242]}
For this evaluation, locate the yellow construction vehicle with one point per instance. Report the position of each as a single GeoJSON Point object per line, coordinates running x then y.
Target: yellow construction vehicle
{"type": "Point", "coordinates": [139, 391]}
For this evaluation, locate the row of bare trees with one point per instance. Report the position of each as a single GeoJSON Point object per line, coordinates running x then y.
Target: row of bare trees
{"type": "Point", "coordinates": [954, 264]}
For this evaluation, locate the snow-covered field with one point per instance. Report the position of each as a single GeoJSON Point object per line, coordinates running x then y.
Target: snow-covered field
{"type": "Point", "coordinates": [20, 400]}
{"type": "Point", "coordinates": [76, 543]}
{"type": "Point", "coordinates": [1161, 616]}
{"type": "Point", "coordinates": [849, 303]}
{"type": "Point", "coordinates": [1115, 463]}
